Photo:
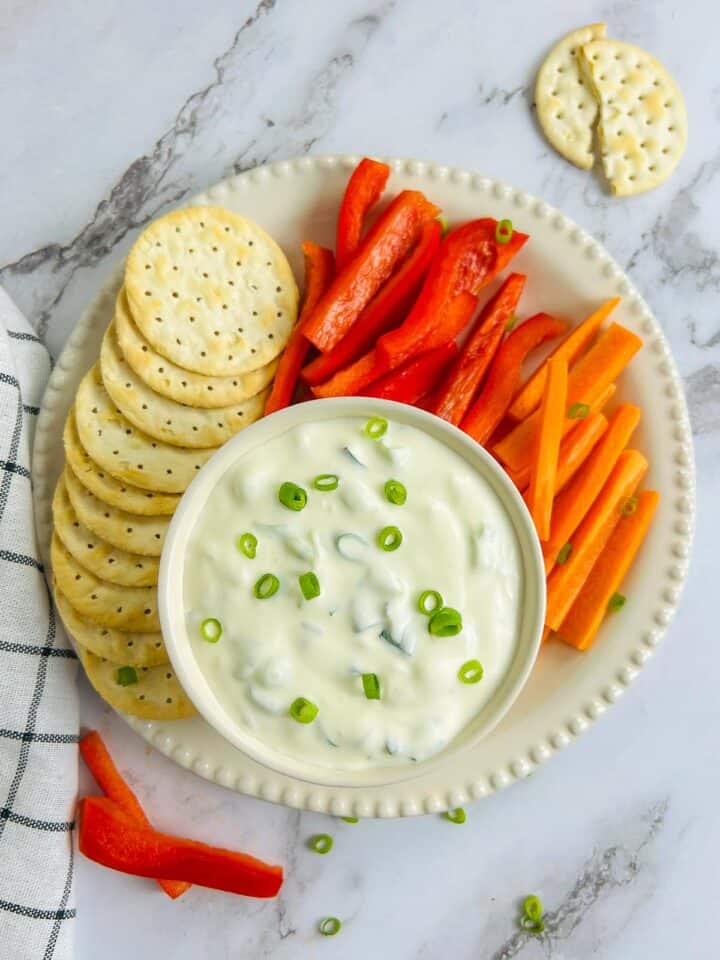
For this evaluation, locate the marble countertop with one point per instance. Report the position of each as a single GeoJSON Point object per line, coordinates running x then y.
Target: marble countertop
{"type": "Point", "coordinates": [112, 112]}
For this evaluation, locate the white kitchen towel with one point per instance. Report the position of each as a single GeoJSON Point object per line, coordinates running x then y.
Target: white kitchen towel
{"type": "Point", "coordinates": [38, 696]}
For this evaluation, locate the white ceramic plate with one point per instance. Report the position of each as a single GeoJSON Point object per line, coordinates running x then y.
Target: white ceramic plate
{"type": "Point", "coordinates": [569, 273]}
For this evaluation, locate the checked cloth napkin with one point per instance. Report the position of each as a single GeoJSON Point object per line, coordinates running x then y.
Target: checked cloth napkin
{"type": "Point", "coordinates": [38, 696]}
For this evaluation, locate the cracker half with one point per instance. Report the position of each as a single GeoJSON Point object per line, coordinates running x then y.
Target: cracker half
{"type": "Point", "coordinates": [100, 557]}
{"type": "Point", "coordinates": [643, 122]}
{"type": "Point", "coordinates": [127, 531]}
{"type": "Point", "coordinates": [184, 386]}
{"type": "Point", "coordinates": [566, 107]}
{"type": "Point", "coordinates": [134, 649]}
{"type": "Point", "coordinates": [156, 693]}
{"type": "Point", "coordinates": [165, 419]}
{"type": "Point", "coordinates": [105, 486]}
{"type": "Point", "coordinates": [211, 291]}
{"type": "Point", "coordinates": [124, 451]}
{"type": "Point", "coordinates": [131, 609]}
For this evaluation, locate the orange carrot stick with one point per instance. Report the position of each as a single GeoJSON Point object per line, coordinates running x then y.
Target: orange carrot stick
{"type": "Point", "coordinates": [590, 376]}
{"type": "Point", "coordinates": [543, 468]}
{"type": "Point", "coordinates": [530, 394]}
{"type": "Point", "coordinates": [574, 451]}
{"type": "Point", "coordinates": [582, 623]}
{"type": "Point", "coordinates": [566, 581]}
{"type": "Point", "coordinates": [575, 501]}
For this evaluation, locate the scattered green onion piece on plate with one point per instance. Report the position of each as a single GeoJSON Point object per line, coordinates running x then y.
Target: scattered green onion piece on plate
{"type": "Point", "coordinates": [471, 671]}
{"type": "Point", "coordinates": [444, 226]}
{"type": "Point", "coordinates": [292, 496]}
{"type": "Point", "coordinates": [303, 710]}
{"type": "Point", "coordinates": [395, 492]}
{"type": "Point", "coordinates": [504, 232]}
{"type": "Point", "coordinates": [329, 926]}
{"type": "Point", "coordinates": [211, 630]}
{"type": "Point", "coordinates": [350, 819]}
{"type": "Point", "coordinates": [511, 324]}
{"type": "Point", "coordinates": [324, 482]}
{"type": "Point", "coordinates": [389, 538]}
{"type": "Point", "coordinates": [445, 622]}
{"type": "Point", "coordinates": [247, 545]}
{"type": "Point", "coordinates": [267, 586]}
{"type": "Point", "coordinates": [564, 554]}
{"type": "Point", "coordinates": [629, 506]}
{"type": "Point", "coordinates": [533, 908]}
{"type": "Point", "coordinates": [457, 815]}
{"type": "Point", "coordinates": [429, 602]}
{"type": "Point", "coordinates": [376, 427]}
{"type": "Point", "coordinates": [578, 411]}
{"type": "Point", "coordinates": [371, 686]}
{"type": "Point", "coordinates": [321, 843]}
{"type": "Point", "coordinates": [310, 585]}
{"type": "Point", "coordinates": [532, 926]}
{"type": "Point", "coordinates": [617, 602]}
{"type": "Point", "coordinates": [127, 676]}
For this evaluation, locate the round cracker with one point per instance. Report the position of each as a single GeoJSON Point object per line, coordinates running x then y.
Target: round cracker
{"type": "Point", "coordinates": [165, 419]}
{"type": "Point", "coordinates": [126, 452]}
{"type": "Point", "coordinates": [566, 106]}
{"type": "Point", "coordinates": [184, 386]}
{"type": "Point", "coordinates": [643, 120]}
{"type": "Point", "coordinates": [156, 695]}
{"type": "Point", "coordinates": [127, 531]}
{"type": "Point", "coordinates": [105, 486]}
{"type": "Point", "coordinates": [133, 649]}
{"type": "Point", "coordinates": [211, 291]}
{"type": "Point", "coordinates": [100, 557]}
{"type": "Point", "coordinates": [131, 609]}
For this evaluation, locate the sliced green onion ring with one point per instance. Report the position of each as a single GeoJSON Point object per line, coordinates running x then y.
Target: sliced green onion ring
{"type": "Point", "coordinates": [310, 585]}
{"type": "Point", "coordinates": [267, 586]}
{"type": "Point", "coordinates": [395, 492]}
{"type": "Point", "coordinates": [211, 630]}
{"type": "Point", "coordinates": [616, 602]}
{"type": "Point", "coordinates": [292, 496]}
{"type": "Point", "coordinates": [445, 622]}
{"type": "Point", "coordinates": [303, 710]}
{"type": "Point", "coordinates": [629, 506]}
{"type": "Point", "coordinates": [532, 926]}
{"type": "Point", "coordinates": [247, 545]}
{"type": "Point", "coordinates": [376, 427]}
{"type": "Point", "coordinates": [350, 819]}
{"type": "Point", "coordinates": [457, 815]}
{"type": "Point", "coordinates": [429, 602]}
{"type": "Point", "coordinates": [564, 553]}
{"type": "Point", "coordinates": [533, 908]}
{"type": "Point", "coordinates": [321, 843]}
{"type": "Point", "coordinates": [329, 926]}
{"type": "Point", "coordinates": [324, 482]}
{"type": "Point", "coordinates": [578, 411]}
{"type": "Point", "coordinates": [389, 538]}
{"type": "Point", "coordinates": [371, 686]}
{"type": "Point", "coordinates": [127, 676]}
{"type": "Point", "coordinates": [504, 232]}
{"type": "Point", "coordinates": [471, 672]}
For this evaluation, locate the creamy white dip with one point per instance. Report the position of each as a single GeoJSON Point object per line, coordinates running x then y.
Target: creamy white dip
{"type": "Point", "coordinates": [457, 539]}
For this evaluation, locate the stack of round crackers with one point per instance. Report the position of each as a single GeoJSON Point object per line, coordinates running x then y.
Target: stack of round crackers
{"type": "Point", "coordinates": [207, 305]}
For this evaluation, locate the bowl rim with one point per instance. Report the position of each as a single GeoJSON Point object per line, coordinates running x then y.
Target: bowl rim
{"type": "Point", "coordinates": [170, 587]}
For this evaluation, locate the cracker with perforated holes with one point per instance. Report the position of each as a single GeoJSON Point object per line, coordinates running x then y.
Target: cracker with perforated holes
{"type": "Point", "coordinates": [124, 451]}
{"type": "Point", "coordinates": [134, 649]}
{"type": "Point", "coordinates": [169, 380]}
{"type": "Point", "coordinates": [151, 693]}
{"type": "Point", "coordinates": [100, 557]}
{"type": "Point", "coordinates": [127, 531]}
{"type": "Point", "coordinates": [165, 419]}
{"type": "Point", "coordinates": [566, 107]}
{"type": "Point", "coordinates": [211, 291]}
{"type": "Point", "coordinates": [642, 130]}
{"type": "Point", "coordinates": [105, 486]}
{"type": "Point", "coordinates": [131, 609]}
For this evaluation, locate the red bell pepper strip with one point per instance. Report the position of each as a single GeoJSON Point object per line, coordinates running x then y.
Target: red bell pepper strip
{"type": "Point", "coordinates": [504, 377]}
{"type": "Point", "coordinates": [372, 366]}
{"type": "Point", "coordinates": [469, 258]}
{"type": "Point", "coordinates": [419, 375]}
{"type": "Point", "coordinates": [363, 190]}
{"type": "Point", "coordinates": [388, 241]}
{"type": "Point", "coordinates": [319, 270]}
{"type": "Point", "coordinates": [108, 778]}
{"type": "Point", "coordinates": [468, 372]}
{"type": "Point", "coordinates": [109, 837]}
{"type": "Point", "coordinates": [388, 308]}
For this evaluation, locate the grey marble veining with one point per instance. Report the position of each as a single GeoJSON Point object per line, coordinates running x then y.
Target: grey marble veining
{"type": "Point", "coordinates": [115, 113]}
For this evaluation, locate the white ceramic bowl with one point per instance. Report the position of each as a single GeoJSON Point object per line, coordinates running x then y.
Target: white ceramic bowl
{"type": "Point", "coordinates": [172, 613]}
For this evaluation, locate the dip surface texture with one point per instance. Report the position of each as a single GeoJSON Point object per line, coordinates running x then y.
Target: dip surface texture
{"type": "Point", "coordinates": [457, 539]}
